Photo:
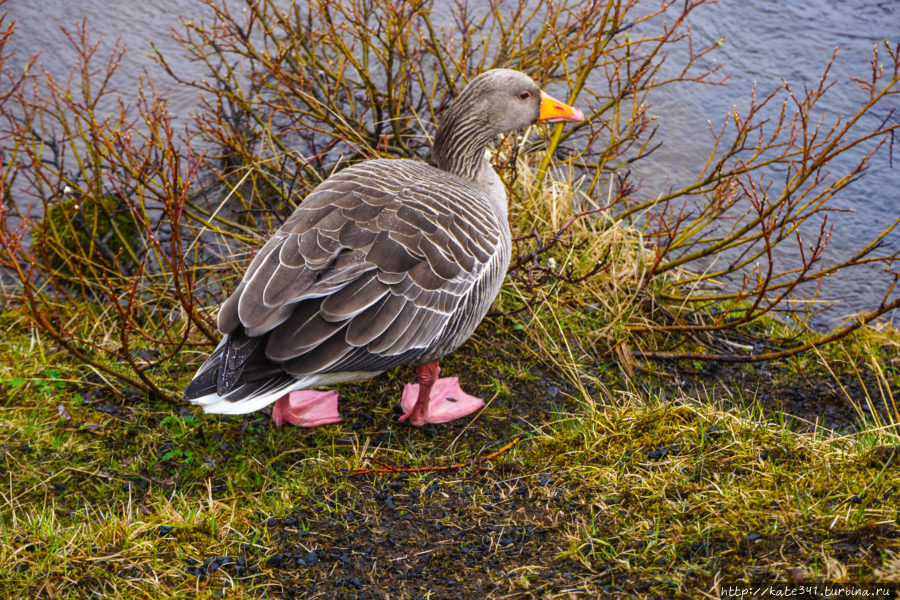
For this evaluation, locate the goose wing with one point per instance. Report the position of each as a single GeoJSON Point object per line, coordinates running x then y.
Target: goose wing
{"type": "Point", "coordinates": [368, 272]}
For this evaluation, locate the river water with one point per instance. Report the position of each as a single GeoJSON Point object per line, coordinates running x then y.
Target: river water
{"type": "Point", "coordinates": [764, 41]}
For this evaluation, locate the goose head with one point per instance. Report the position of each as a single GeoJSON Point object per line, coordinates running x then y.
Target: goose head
{"type": "Point", "coordinates": [504, 100]}
{"type": "Point", "coordinates": [494, 102]}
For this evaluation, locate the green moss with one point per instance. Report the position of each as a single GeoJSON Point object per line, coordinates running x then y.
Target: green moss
{"type": "Point", "coordinates": [88, 236]}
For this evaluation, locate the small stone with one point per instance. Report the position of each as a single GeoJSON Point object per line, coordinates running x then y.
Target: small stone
{"type": "Point", "coordinates": [713, 432]}
{"type": "Point", "coordinates": [311, 559]}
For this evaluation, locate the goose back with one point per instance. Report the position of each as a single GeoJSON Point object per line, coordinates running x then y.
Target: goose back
{"type": "Point", "coordinates": [387, 262]}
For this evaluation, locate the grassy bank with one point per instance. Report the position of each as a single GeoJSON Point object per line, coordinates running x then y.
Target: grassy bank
{"type": "Point", "coordinates": [650, 486]}
{"type": "Point", "coordinates": [629, 479]}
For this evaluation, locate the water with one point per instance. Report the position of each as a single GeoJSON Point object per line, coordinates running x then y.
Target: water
{"type": "Point", "coordinates": [766, 40]}
{"type": "Point", "coordinates": [138, 25]}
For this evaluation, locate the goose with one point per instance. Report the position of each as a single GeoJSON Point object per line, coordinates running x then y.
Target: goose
{"type": "Point", "coordinates": [386, 263]}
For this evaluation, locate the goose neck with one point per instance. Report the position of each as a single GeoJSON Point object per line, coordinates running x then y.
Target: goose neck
{"type": "Point", "coordinates": [460, 145]}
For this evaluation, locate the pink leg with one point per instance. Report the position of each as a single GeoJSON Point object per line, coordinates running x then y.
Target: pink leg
{"type": "Point", "coordinates": [306, 408]}
{"type": "Point", "coordinates": [435, 400]}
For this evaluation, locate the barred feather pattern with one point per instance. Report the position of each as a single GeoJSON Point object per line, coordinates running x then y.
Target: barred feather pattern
{"type": "Point", "coordinates": [388, 262]}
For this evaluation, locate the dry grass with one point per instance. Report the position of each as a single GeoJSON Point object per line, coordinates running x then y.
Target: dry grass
{"type": "Point", "coordinates": [623, 487]}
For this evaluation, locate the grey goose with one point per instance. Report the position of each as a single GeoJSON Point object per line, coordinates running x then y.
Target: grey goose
{"type": "Point", "coordinates": [386, 263]}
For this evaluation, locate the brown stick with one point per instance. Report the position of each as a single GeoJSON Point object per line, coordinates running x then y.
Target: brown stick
{"type": "Point", "coordinates": [744, 358]}
{"type": "Point", "coordinates": [386, 468]}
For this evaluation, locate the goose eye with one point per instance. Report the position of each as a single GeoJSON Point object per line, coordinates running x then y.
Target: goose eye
{"type": "Point", "coordinates": [525, 95]}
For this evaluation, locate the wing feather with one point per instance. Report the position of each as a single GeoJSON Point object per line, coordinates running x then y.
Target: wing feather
{"type": "Point", "coordinates": [365, 275]}
{"type": "Point", "coordinates": [361, 332]}
{"type": "Point", "coordinates": [353, 298]}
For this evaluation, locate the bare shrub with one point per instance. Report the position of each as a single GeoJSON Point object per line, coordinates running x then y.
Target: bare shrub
{"type": "Point", "coordinates": [152, 227]}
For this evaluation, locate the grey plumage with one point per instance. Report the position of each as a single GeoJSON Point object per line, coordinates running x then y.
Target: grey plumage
{"type": "Point", "coordinates": [388, 262]}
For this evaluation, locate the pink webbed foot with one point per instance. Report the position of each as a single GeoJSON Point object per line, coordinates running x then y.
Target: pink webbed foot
{"type": "Point", "coordinates": [447, 402]}
{"type": "Point", "coordinates": [306, 408]}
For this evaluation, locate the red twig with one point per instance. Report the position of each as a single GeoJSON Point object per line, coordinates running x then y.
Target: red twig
{"type": "Point", "coordinates": [478, 462]}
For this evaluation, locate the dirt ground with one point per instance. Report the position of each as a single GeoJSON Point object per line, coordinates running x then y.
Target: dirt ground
{"type": "Point", "coordinates": [530, 524]}
{"type": "Point", "coordinates": [499, 533]}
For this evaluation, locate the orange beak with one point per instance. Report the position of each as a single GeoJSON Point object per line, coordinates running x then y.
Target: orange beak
{"type": "Point", "coordinates": [552, 110]}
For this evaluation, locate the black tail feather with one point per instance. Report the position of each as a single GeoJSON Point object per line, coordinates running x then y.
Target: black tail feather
{"type": "Point", "coordinates": [239, 365]}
